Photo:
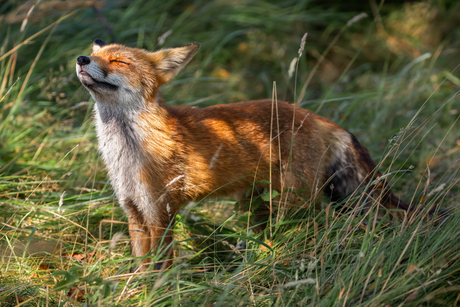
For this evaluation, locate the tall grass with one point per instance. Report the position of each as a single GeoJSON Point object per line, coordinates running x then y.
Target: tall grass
{"type": "Point", "coordinates": [64, 238]}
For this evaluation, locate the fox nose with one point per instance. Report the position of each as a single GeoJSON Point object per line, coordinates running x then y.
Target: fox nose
{"type": "Point", "coordinates": [83, 60]}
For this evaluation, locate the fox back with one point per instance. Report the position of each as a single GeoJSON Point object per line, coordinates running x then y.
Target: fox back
{"type": "Point", "coordinates": [160, 157]}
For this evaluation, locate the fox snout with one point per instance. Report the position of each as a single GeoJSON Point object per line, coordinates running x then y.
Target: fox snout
{"type": "Point", "coordinates": [83, 60]}
{"type": "Point", "coordinates": [95, 77]}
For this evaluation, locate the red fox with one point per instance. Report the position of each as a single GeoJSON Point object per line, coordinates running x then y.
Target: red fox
{"type": "Point", "coordinates": [160, 157]}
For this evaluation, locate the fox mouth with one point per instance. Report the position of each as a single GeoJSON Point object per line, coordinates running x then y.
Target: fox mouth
{"type": "Point", "coordinates": [87, 80]}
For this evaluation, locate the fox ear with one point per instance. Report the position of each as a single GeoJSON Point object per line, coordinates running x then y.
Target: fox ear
{"type": "Point", "coordinates": [98, 44]}
{"type": "Point", "coordinates": [168, 62]}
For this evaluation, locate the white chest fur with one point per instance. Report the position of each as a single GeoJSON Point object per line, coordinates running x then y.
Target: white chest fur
{"type": "Point", "coordinates": [119, 144]}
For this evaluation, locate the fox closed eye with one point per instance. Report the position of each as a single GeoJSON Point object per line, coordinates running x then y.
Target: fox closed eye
{"type": "Point", "coordinates": [118, 61]}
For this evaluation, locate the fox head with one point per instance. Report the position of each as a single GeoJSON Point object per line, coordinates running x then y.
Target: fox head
{"type": "Point", "coordinates": [119, 74]}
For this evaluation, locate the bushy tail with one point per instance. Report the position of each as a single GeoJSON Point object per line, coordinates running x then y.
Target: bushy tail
{"type": "Point", "coordinates": [352, 170]}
